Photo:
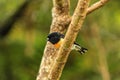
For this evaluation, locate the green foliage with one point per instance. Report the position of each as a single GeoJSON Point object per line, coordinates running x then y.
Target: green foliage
{"type": "Point", "coordinates": [22, 49]}
{"type": "Point", "coordinates": [7, 8]}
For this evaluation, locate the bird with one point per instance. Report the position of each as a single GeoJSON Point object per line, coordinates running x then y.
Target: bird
{"type": "Point", "coordinates": [57, 38]}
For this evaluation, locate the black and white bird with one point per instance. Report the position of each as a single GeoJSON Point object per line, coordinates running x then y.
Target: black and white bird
{"type": "Point", "coordinates": [57, 38]}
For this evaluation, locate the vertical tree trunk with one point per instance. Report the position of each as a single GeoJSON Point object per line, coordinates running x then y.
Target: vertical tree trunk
{"type": "Point", "coordinates": [53, 61]}
{"type": "Point", "coordinates": [75, 25]}
{"type": "Point", "coordinates": [60, 22]}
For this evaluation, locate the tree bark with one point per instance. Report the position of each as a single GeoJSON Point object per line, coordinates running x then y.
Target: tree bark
{"type": "Point", "coordinates": [97, 5]}
{"type": "Point", "coordinates": [61, 20]}
{"type": "Point", "coordinates": [53, 61]}
{"type": "Point", "coordinates": [75, 25]}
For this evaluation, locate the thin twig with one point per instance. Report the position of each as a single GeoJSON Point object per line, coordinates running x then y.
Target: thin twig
{"type": "Point", "coordinates": [97, 5]}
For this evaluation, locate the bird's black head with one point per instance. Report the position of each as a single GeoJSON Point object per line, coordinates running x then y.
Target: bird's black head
{"type": "Point", "coordinates": [54, 37]}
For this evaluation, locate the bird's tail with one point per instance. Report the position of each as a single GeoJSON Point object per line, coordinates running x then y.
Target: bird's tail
{"type": "Point", "coordinates": [83, 50]}
{"type": "Point", "coordinates": [80, 49]}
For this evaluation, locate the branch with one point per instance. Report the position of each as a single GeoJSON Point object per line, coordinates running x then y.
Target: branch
{"type": "Point", "coordinates": [61, 7]}
{"type": "Point", "coordinates": [92, 8]}
{"type": "Point", "coordinates": [66, 5]}
{"type": "Point", "coordinates": [76, 23]}
{"type": "Point", "coordinates": [58, 3]}
{"type": "Point", "coordinates": [61, 18]}
{"type": "Point", "coordinates": [97, 5]}
{"type": "Point", "coordinates": [60, 22]}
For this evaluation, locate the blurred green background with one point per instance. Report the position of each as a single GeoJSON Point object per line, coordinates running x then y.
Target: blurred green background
{"type": "Point", "coordinates": [24, 25]}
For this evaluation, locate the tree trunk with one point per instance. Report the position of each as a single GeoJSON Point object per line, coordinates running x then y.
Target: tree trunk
{"type": "Point", "coordinates": [53, 61]}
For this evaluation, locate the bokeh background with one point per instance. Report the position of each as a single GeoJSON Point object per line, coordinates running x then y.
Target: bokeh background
{"type": "Point", "coordinates": [24, 25]}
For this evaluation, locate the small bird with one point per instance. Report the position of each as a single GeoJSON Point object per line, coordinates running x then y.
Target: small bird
{"type": "Point", "coordinates": [57, 38]}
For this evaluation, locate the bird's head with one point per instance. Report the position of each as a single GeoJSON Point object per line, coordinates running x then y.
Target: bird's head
{"type": "Point", "coordinates": [54, 37]}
